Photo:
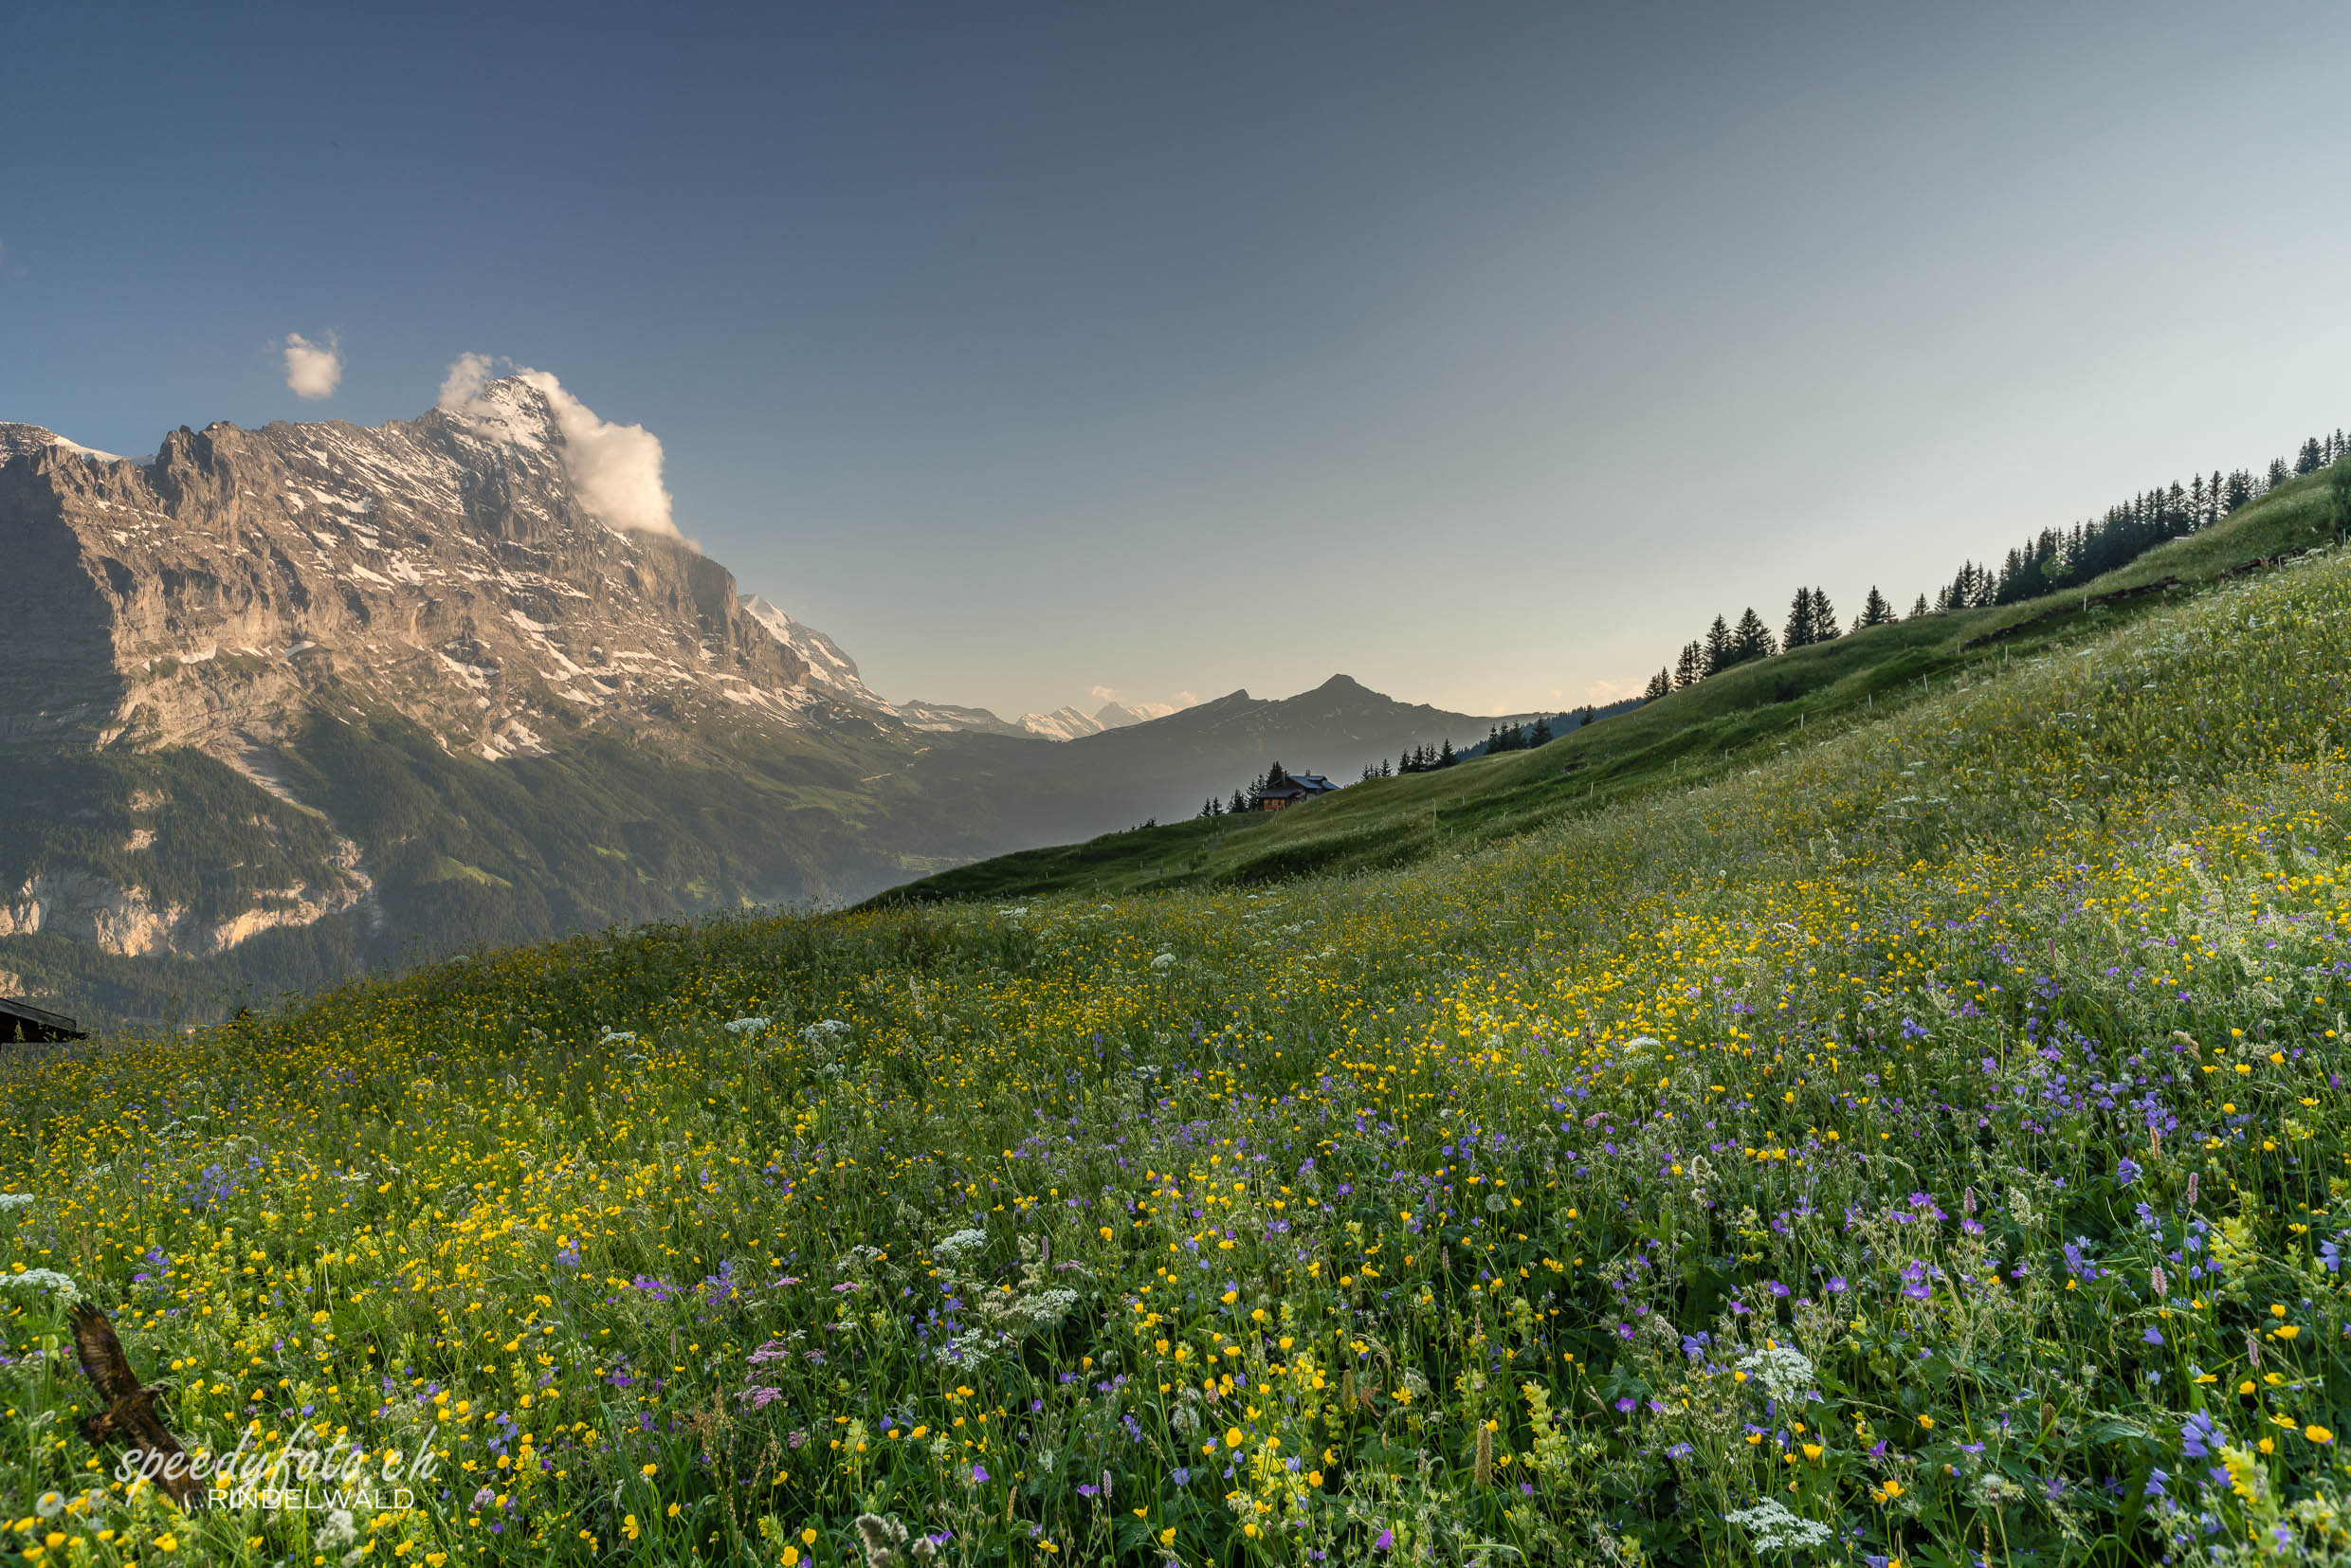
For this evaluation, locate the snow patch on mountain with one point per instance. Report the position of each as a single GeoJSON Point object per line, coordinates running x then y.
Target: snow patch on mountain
{"type": "Point", "coordinates": [828, 666]}
{"type": "Point", "coordinates": [16, 440]}
{"type": "Point", "coordinates": [1063, 723]}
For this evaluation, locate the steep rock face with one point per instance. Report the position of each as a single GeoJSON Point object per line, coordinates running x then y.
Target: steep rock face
{"type": "Point", "coordinates": [441, 566]}
{"type": "Point", "coordinates": [126, 923]}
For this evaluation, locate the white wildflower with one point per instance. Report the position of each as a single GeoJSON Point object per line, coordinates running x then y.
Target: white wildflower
{"type": "Point", "coordinates": [746, 1026]}
{"type": "Point", "coordinates": [824, 1032]}
{"type": "Point", "coordinates": [954, 1247]}
{"type": "Point", "coordinates": [618, 1037]}
{"type": "Point", "coordinates": [1163, 961]}
{"type": "Point", "coordinates": [61, 1285]}
{"type": "Point", "coordinates": [339, 1529]}
{"type": "Point", "coordinates": [1777, 1530]}
{"type": "Point", "coordinates": [1782, 1370]}
{"type": "Point", "coordinates": [1049, 1307]}
{"type": "Point", "coordinates": [13, 1200]}
{"type": "Point", "coordinates": [1015, 914]}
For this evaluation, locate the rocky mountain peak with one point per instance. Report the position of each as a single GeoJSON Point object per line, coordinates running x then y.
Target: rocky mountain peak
{"type": "Point", "coordinates": [444, 567]}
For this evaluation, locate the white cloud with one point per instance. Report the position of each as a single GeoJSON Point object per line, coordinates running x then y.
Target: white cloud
{"type": "Point", "coordinates": [615, 469]}
{"type": "Point", "coordinates": [468, 374]}
{"type": "Point", "coordinates": [313, 369]}
{"type": "Point", "coordinates": [1108, 694]}
{"type": "Point", "coordinates": [1601, 693]}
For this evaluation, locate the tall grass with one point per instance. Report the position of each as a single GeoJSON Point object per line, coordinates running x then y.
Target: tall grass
{"type": "Point", "coordinates": [1924, 1147]}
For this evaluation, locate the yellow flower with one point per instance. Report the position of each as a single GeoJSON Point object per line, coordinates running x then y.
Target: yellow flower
{"type": "Point", "coordinates": [649, 1470]}
{"type": "Point", "coordinates": [1232, 1438]}
{"type": "Point", "coordinates": [792, 1555]}
{"type": "Point", "coordinates": [2317, 1433]}
{"type": "Point", "coordinates": [1927, 1422]}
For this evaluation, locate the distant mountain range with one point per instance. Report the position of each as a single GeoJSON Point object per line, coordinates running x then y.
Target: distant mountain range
{"type": "Point", "coordinates": [836, 670]}
{"type": "Point", "coordinates": [278, 704]}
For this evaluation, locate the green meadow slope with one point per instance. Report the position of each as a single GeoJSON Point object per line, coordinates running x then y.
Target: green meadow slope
{"type": "Point", "coordinates": [1735, 719]}
{"type": "Point", "coordinates": [1925, 1140]}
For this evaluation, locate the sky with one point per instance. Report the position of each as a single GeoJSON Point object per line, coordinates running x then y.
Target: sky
{"type": "Point", "coordinates": [1040, 352]}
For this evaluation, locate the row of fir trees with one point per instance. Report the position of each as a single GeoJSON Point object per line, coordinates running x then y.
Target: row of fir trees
{"type": "Point", "coordinates": [2051, 561]}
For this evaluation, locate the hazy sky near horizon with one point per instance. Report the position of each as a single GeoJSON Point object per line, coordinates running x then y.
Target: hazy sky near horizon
{"type": "Point", "coordinates": [1482, 351]}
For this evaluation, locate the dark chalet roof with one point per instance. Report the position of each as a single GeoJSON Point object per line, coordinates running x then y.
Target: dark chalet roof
{"type": "Point", "coordinates": [1297, 787]}
{"type": "Point", "coordinates": [22, 1023]}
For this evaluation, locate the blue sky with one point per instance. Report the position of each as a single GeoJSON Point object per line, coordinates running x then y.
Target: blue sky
{"type": "Point", "coordinates": [1482, 351]}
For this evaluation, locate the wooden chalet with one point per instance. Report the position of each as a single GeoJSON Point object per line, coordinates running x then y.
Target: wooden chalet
{"type": "Point", "coordinates": [1292, 791]}
{"type": "Point", "coordinates": [21, 1023]}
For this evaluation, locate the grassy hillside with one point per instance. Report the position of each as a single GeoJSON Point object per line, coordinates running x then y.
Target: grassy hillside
{"type": "Point", "coordinates": [1733, 720]}
{"type": "Point", "coordinates": [1926, 1143]}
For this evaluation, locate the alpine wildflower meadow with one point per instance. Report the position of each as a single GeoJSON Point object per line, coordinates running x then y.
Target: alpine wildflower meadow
{"type": "Point", "coordinates": [1926, 1147]}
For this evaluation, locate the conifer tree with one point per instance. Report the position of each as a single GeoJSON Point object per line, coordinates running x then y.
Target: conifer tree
{"type": "Point", "coordinates": [1824, 617]}
{"type": "Point", "coordinates": [1237, 804]}
{"type": "Point", "coordinates": [1719, 647]}
{"type": "Point", "coordinates": [1445, 755]}
{"type": "Point", "coordinates": [1690, 668]}
{"type": "Point", "coordinates": [1799, 628]}
{"type": "Point", "coordinates": [1875, 611]}
{"type": "Point", "coordinates": [1541, 736]}
{"type": "Point", "coordinates": [1920, 608]}
{"type": "Point", "coordinates": [1752, 639]}
{"type": "Point", "coordinates": [1660, 684]}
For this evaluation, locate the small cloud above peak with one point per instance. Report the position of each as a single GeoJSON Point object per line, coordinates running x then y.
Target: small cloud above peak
{"type": "Point", "coordinates": [615, 469]}
{"type": "Point", "coordinates": [468, 374]}
{"type": "Point", "coordinates": [313, 369]}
